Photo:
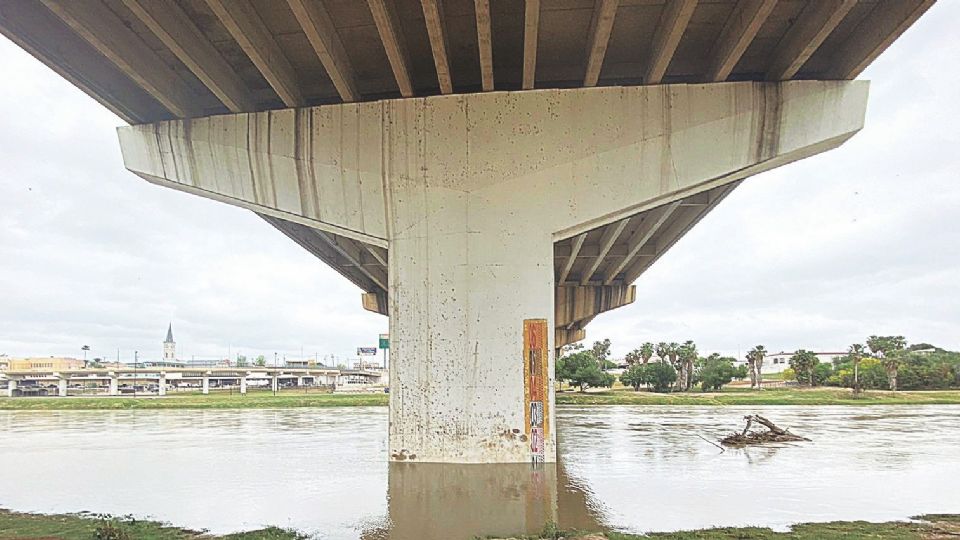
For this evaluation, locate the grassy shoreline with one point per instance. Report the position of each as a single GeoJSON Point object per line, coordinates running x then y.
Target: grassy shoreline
{"type": "Point", "coordinates": [295, 399]}
{"type": "Point", "coordinates": [18, 525]}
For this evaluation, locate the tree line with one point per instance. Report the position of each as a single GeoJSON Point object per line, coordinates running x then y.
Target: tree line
{"type": "Point", "coordinates": [678, 367]}
{"type": "Point", "coordinates": [883, 362]}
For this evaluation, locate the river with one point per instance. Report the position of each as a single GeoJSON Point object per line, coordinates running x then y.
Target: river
{"type": "Point", "coordinates": [630, 468]}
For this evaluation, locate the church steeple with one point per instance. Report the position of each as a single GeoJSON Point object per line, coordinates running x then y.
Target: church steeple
{"type": "Point", "coordinates": [169, 346]}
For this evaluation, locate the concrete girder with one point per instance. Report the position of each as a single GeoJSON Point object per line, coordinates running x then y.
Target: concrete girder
{"type": "Point", "coordinates": [469, 193]}
{"type": "Point", "coordinates": [574, 305]}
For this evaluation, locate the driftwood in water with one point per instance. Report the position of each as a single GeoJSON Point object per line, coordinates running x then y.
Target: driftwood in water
{"type": "Point", "coordinates": [772, 434]}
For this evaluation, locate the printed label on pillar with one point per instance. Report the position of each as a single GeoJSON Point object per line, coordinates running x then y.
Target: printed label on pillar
{"type": "Point", "coordinates": [535, 383]}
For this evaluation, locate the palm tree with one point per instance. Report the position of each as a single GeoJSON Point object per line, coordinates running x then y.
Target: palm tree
{"type": "Point", "coordinates": [688, 355]}
{"type": "Point", "coordinates": [751, 368]}
{"type": "Point", "coordinates": [673, 351]}
{"type": "Point", "coordinates": [662, 350]}
{"type": "Point", "coordinates": [891, 363]}
{"type": "Point", "coordinates": [758, 353]}
{"type": "Point", "coordinates": [633, 357]}
{"type": "Point", "coordinates": [646, 351]}
{"type": "Point", "coordinates": [856, 352]}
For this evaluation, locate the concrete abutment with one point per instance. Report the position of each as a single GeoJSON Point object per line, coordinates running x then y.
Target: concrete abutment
{"type": "Point", "coordinates": [462, 198]}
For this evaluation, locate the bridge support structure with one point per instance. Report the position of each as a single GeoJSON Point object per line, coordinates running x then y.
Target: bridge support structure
{"type": "Point", "coordinates": [162, 385]}
{"type": "Point", "coordinates": [205, 385]}
{"type": "Point", "coordinates": [62, 387]}
{"type": "Point", "coordinates": [243, 385]}
{"type": "Point", "coordinates": [114, 385]}
{"type": "Point", "coordinates": [462, 198]}
{"type": "Point", "coordinates": [11, 387]}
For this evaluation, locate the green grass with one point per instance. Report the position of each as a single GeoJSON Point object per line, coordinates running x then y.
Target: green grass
{"type": "Point", "coordinates": [770, 396]}
{"type": "Point", "coordinates": [16, 525]}
{"type": "Point", "coordinates": [929, 527]}
{"type": "Point", "coordinates": [261, 399]}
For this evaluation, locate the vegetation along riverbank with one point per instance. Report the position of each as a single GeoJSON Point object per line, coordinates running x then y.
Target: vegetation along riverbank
{"type": "Point", "coordinates": [16, 525]}
{"type": "Point", "coordinates": [292, 399]}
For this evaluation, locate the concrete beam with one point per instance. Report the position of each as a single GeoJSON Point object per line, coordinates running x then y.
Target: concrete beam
{"type": "Point", "coordinates": [576, 246]}
{"type": "Point", "coordinates": [433, 17]}
{"type": "Point", "coordinates": [94, 22]}
{"type": "Point", "coordinates": [531, 32]}
{"type": "Point", "coordinates": [388, 25]}
{"type": "Point", "coordinates": [738, 32]}
{"type": "Point", "coordinates": [673, 22]}
{"type": "Point", "coordinates": [564, 337]}
{"type": "Point", "coordinates": [298, 165]}
{"type": "Point", "coordinates": [242, 22]}
{"type": "Point", "coordinates": [175, 29]}
{"type": "Point", "coordinates": [610, 236]}
{"type": "Point", "coordinates": [604, 12]}
{"type": "Point", "coordinates": [322, 35]}
{"type": "Point", "coordinates": [39, 32]}
{"type": "Point", "coordinates": [651, 224]}
{"type": "Point", "coordinates": [577, 304]}
{"type": "Point", "coordinates": [887, 22]}
{"type": "Point", "coordinates": [809, 31]}
{"type": "Point", "coordinates": [484, 43]}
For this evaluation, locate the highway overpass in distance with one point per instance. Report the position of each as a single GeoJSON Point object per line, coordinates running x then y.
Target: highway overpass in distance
{"type": "Point", "coordinates": [491, 175]}
{"type": "Point", "coordinates": [17, 382]}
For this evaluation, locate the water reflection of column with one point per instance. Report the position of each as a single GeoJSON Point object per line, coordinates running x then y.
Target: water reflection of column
{"type": "Point", "coordinates": [452, 501]}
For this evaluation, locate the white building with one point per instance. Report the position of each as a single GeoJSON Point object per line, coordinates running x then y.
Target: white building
{"type": "Point", "coordinates": [777, 362]}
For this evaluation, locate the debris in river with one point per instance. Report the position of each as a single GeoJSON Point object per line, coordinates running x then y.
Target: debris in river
{"type": "Point", "coordinates": [772, 434]}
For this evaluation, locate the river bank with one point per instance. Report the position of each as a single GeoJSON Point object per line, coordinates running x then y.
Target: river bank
{"type": "Point", "coordinates": [14, 525]}
{"type": "Point", "coordinates": [295, 399]}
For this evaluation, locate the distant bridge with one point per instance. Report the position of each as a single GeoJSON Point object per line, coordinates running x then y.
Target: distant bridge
{"type": "Point", "coordinates": [22, 382]}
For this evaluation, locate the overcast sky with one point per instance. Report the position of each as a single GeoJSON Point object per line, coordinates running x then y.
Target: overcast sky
{"type": "Point", "coordinates": [819, 254]}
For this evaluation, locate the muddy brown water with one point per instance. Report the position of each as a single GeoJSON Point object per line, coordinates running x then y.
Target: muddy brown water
{"type": "Point", "coordinates": [629, 468]}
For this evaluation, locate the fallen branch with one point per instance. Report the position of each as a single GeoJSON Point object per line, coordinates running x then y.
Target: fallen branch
{"type": "Point", "coordinates": [772, 434]}
{"type": "Point", "coordinates": [722, 449]}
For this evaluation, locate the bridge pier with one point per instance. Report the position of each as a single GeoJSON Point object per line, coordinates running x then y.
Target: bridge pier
{"type": "Point", "coordinates": [162, 385]}
{"type": "Point", "coordinates": [463, 199]}
{"type": "Point", "coordinates": [11, 387]}
{"type": "Point", "coordinates": [243, 385]}
{"type": "Point", "coordinates": [114, 385]}
{"type": "Point", "coordinates": [206, 385]}
{"type": "Point", "coordinates": [62, 387]}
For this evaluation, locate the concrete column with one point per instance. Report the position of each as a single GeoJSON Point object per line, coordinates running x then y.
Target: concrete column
{"type": "Point", "coordinates": [274, 383]}
{"type": "Point", "coordinates": [62, 387]}
{"type": "Point", "coordinates": [300, 382]}
{"type": "Point", "coordinates": [162, 385]}
{"type": "Point", "coordinates": [114, 386]}
{"type": "Point", "coordinates": [11, 387]}
{"type": "Point", "coordinates": [469, 194]}
{"type": "Point", "coordinates": [206, 385]}
{"type": "Point", "coordinates": [243, 385]}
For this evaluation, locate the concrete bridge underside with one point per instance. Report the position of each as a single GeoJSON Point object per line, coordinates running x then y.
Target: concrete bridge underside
{"type": "Point", "coordinates": [491, 175]}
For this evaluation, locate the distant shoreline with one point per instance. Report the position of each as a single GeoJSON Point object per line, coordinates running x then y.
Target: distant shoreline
{"type": "Point", "coordinates": [294, 399]}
